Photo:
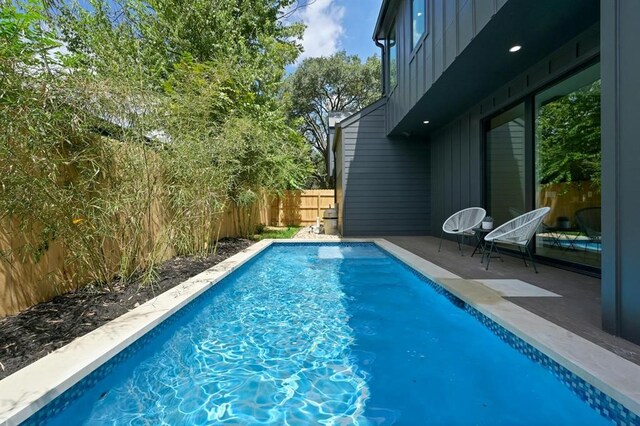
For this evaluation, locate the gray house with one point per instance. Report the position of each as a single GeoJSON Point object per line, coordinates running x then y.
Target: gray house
{"type": "Point", "coordinates": [509, 105]}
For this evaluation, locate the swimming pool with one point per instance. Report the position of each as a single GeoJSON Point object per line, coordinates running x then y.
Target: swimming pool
{"type": "Point", "coordinates": [315, 333]}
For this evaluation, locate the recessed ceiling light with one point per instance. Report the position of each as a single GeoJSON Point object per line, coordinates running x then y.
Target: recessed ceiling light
{"type": "Point", "coordinates": [426, 121]}
{"type": "Point", "coordinates": [419, 13]}
{"type": "Point", "coordinates": [515, 48]}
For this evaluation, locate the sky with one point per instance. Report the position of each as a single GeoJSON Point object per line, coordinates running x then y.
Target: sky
{"type": "Point", "coordinates": [334, 25]}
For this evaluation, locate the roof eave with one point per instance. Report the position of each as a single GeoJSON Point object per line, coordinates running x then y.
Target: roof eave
{"type": "Point", "coordinates": [381, 18]}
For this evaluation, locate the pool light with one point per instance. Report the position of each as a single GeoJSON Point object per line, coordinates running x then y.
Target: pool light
{"type": "Point", "coordinates": [515, 48]}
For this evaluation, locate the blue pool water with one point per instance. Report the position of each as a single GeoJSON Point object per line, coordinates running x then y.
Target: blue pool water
{"type": "Point", "coordinates": [574, 244]}
{"type": "Point", "coordinates": [327, 334]}
{"type": "Point", "coordinates": [582, 245]}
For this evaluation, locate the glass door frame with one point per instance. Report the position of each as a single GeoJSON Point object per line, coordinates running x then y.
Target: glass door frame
{"type": "Point", "coordinates": [530, 163]}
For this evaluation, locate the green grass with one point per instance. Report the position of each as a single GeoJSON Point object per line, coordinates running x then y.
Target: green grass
{"type": "Point", "coordinates": [278, 233]}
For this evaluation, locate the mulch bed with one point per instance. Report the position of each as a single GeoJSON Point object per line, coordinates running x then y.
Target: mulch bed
{"type": "Point", "coordinates": [41, 329]}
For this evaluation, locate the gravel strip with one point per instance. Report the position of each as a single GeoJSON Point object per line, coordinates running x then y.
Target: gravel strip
{"type": "Point", "coordinates": [306, 234]}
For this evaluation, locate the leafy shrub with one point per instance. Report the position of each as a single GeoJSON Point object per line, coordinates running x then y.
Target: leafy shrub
{"type": "Point", "coordinates": [128, 133]}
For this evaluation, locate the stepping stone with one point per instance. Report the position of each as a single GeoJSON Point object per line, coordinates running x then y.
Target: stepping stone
{"type": "Point", "coordinates": [516, 288]}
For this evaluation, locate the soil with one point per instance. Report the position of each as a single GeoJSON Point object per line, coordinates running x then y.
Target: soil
{"type": "Point", "coordinates": [43, 328]}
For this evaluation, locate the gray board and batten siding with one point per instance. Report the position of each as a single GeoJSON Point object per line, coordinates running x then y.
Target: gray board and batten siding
{"type": "Point", "coordinates": [457, 152]}
{"type": "Point", "coordinates": [382, 184]}
{"type": "Point", "coordinates": [450, 26]}
{"type": "Point", "coordinates": [620, 71]}
{"type": "Point", "coordinates": [463, 55]}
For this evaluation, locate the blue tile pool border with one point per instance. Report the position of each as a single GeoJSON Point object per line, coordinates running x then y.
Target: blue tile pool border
{"type": "Point", "coordinates": [595, 398]}
{"type": "Point", "coordinates": [599, 401]}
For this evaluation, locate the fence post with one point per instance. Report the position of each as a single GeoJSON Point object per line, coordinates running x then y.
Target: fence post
{"type": "Point", "coordinates": [318, 201]}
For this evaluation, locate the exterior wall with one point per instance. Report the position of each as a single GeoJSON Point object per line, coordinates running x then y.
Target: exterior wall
{"type": "Point", "coordinates": [507, 160]}
{"type": "Point", "coordinates": [381, 181]}
{"type": "Point", "coordinates": [620, 178]}
{"type": "Point", "coordinates": [455, 168]}
{"type": "Point", "coordinates": [457, 148]}
{"type": "Point", "coordinates": [451, 25]}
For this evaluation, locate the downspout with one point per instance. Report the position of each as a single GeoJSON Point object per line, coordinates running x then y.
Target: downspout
{"type": "Point", "coordinates": [383, 65]}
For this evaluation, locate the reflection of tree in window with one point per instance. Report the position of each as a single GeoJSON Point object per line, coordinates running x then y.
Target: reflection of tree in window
{"type": "Point", "coordinates": [569, 137]}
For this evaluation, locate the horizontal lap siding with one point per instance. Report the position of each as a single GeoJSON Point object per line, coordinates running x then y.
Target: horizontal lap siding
{"type": "Point", "coordinates": [386, 181]}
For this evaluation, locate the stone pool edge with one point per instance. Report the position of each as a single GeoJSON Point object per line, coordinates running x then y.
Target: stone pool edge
{"type": "Point", "coordinates": [29, 389]}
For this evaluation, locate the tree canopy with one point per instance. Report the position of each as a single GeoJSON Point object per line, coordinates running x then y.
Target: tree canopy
{"type": "Point", "coordinates": [340, 83]}
{"type": "Point", "coordinates": [569, 137]}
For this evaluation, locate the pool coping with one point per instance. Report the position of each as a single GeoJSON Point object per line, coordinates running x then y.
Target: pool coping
{"type": "Point", "coordinates": [28, 390]}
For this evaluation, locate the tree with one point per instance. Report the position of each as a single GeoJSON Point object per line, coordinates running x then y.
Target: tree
{"type": "Point", "coordinates": [322, 85]}
{"type": "Point", "coordinates": [199, 68]}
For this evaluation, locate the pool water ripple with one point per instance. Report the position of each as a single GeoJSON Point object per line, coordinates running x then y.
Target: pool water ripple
{"type": "Point", "coordinates": [326, 335]}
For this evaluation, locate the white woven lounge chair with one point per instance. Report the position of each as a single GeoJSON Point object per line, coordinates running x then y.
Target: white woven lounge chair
{"type": "Point", "coordinates": [517, 232]}
{"type": "Point", "coordinates": [461, 225]}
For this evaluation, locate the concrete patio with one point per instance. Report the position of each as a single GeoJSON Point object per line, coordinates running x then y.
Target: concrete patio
{"type": "Point", "coordinates": [573, 302]}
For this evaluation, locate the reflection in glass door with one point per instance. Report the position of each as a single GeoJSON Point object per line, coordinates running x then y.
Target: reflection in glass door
{"type": "Point", "coordinates": [505, 165]}
{"type": "Point", "coordinates": [567, 168]}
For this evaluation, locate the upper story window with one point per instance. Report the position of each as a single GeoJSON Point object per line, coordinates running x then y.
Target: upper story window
{"type": "Point", "coordinates": [392, 58]}
{"type": "Point", "coordinates": [418, 20]}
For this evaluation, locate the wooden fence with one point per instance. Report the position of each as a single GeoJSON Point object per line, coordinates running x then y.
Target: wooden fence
{"type": "Point", "coordinates": [25, 282]}
{"type": "Point", "coordinates": [565, 199]}
{"type": "Point", "coordinates": [301, 208]}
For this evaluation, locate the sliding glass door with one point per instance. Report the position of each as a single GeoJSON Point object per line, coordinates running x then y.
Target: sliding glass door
{"type": "Point", "coordinates": [567, 168]}
{"type": "Point", "coordinates": [545, 151]}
